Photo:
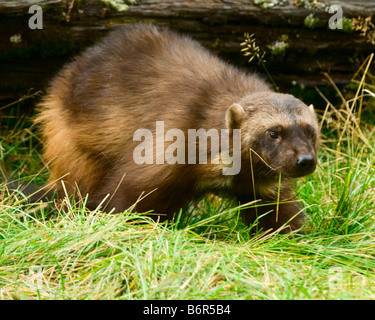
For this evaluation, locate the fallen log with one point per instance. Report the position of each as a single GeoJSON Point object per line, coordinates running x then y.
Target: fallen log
{"type": "Point", "coordinates": [295, 34]}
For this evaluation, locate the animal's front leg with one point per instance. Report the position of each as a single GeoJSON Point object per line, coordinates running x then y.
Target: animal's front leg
{"type": "Point", "coordinates": [265, 216]}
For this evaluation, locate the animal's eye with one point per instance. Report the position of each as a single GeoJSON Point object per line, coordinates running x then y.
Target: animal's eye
{"type": "Point", "coordinates": [311, 132]}
{"type": "Point", "coordinates": [313, 136]}
{"type": "Point", "coordinates": [274, 135]}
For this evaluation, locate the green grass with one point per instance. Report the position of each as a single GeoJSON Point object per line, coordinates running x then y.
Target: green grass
{"type": "Point", "coordinates": [68, 252]}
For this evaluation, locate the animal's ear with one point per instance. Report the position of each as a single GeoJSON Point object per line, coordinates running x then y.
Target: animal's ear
{"type": "Point", "coordinates": [311, 108]}
{"type": "Point", "coordinates": [234, 116]}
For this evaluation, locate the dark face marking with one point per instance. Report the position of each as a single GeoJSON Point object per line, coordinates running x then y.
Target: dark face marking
{"type": "Point", "coordinates": [283, 131]}
{"type": "Point", "coordinates": [289, 150]}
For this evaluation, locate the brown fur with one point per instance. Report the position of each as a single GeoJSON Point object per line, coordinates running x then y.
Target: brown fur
{"type": "Point", "coordinates": [141, 74]}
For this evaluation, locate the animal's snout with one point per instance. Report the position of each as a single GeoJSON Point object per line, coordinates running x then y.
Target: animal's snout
{"type": "Point", "coordinates": [305, 165]}
{"type": "Point", "coordinates": [305, 162]}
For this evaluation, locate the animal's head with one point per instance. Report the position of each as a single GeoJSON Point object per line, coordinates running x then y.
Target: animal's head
{"type": "Point", "coordinates": [281, 131]}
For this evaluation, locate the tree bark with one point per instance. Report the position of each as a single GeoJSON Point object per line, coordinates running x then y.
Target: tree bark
{"type": "Point", "coordinates": [29, 58]}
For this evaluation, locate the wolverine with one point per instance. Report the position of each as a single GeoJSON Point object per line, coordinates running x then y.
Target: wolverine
{"type": "Point", "coordinates": [141, 76]}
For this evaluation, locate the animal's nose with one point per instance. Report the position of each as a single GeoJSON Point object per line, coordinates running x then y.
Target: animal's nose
{"type": "Point", "coordinates": [305, 162]}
